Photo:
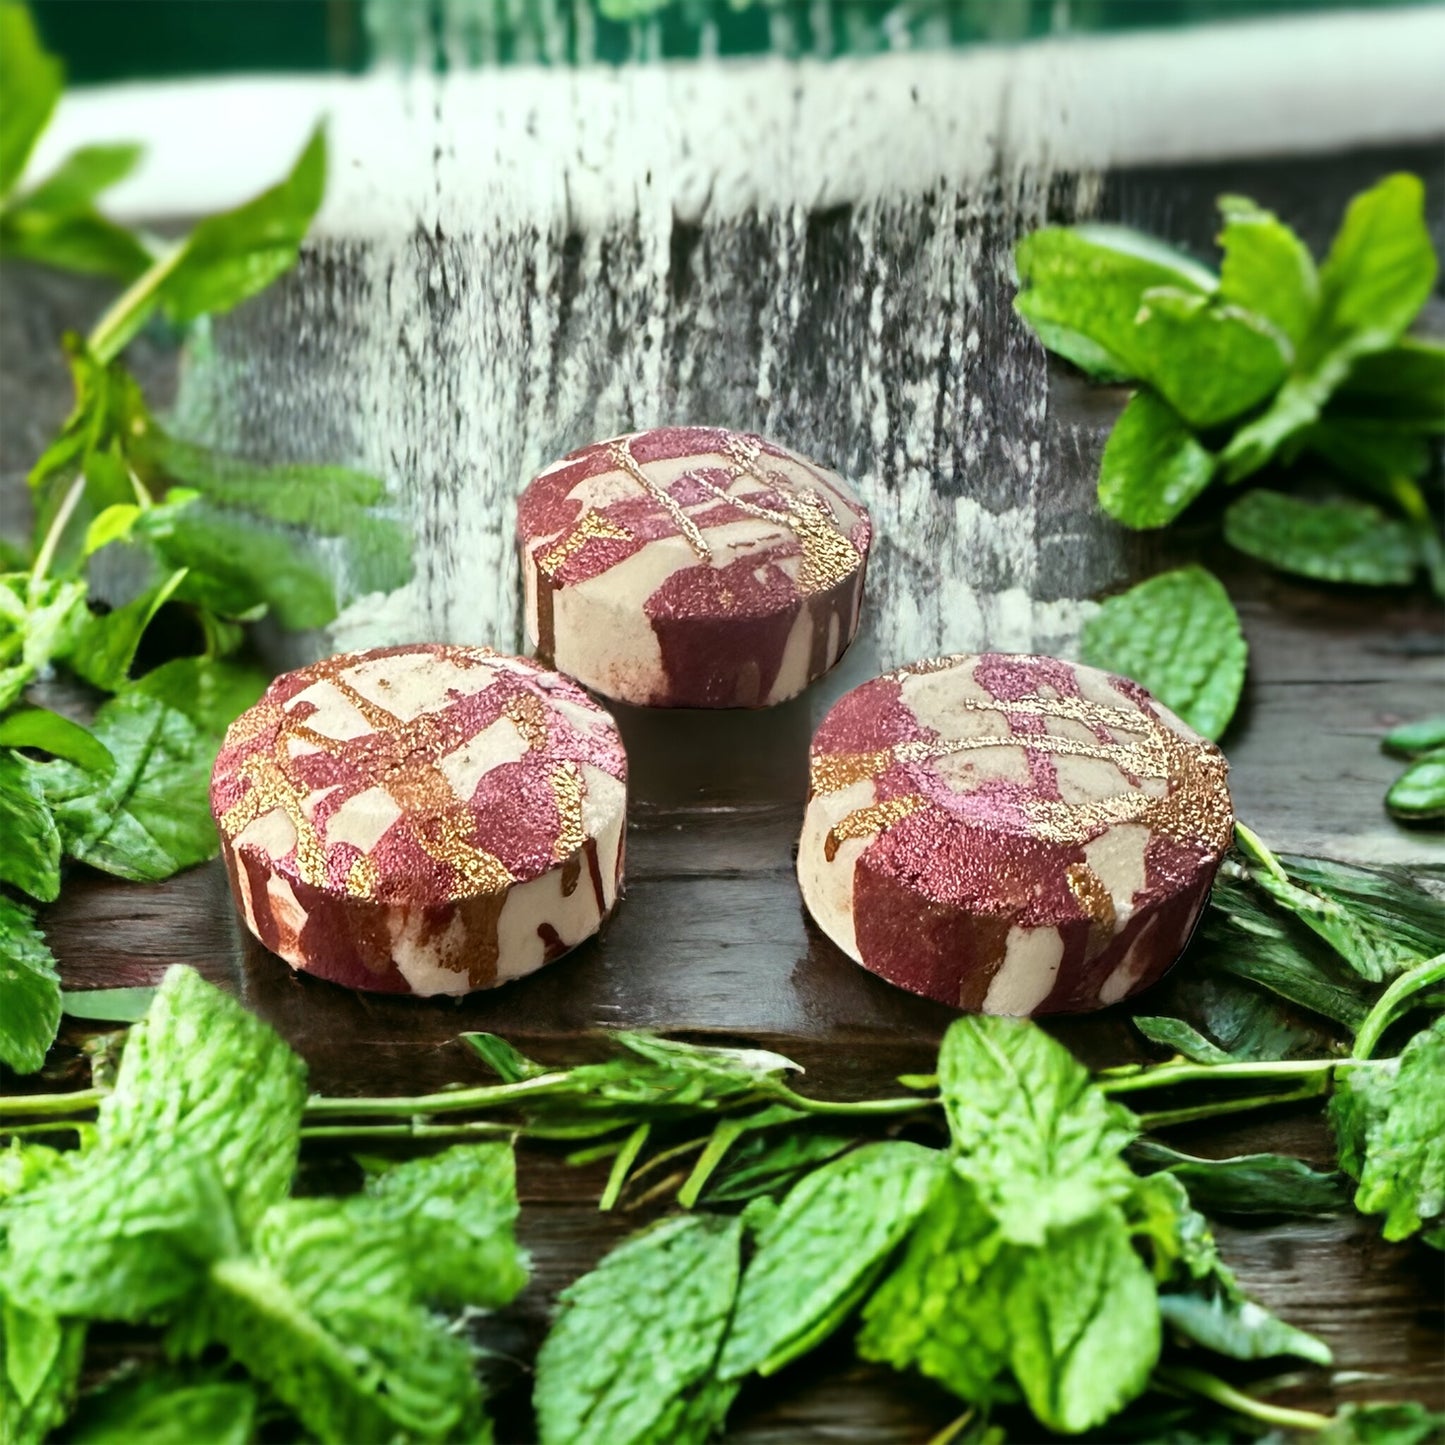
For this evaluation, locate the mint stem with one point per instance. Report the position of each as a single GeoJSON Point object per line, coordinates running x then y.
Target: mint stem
{"type": "Point", "coordinates": [626, 1158]}
{"type": "Point", "coordinates": [1133, 1078]}
{"type": "Point", "coordinates": [129, 310]}
{"type": "Point", "coordinates": [58, 523]}
{"type": "Point", "coordinates": [1165, 1118]}
{"type": "Point", "coordinates": [29, 1106]}
{"type": "Point", "coordinates": [1388, 1006]}
{"type": "Point", "coordinates": [1211, 1387]}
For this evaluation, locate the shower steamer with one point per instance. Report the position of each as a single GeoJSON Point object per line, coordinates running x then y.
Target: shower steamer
{"type": "Point", "coordinates": [1011, 834]}
{"type": "Point", "coordinates": [422, 819]}
{"type": "Point", "coordinates": [692, 567]}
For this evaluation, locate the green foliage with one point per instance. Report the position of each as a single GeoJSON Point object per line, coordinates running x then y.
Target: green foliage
{"type": "Point", "coordinates": [1247, 1183]}
{"type": "Point", "coordinates": [1419, 792]}
{"type": "Point", "coordinates": [1178, 635]}
{"type": "Point", "coordinates": [31, 81]}
{"type": "Point", "coordinates": [29, 988]}
{"type": "Point", "coordinates": [1338, 541]}
{"type": "Point", "coordinates": [29, 839]}
{"type": "Point", "coordinates": [168, 1409]}
{"type": "Point", "coordinates": [1153, 466]}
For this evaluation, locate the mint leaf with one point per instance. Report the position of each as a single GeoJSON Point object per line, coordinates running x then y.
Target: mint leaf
{"type": "Point", "coordinates": [166, 1410]}
{"type": "Point", "coordinates": [1389, 1119]}
{"type": "Point", "coordinates": [1332, 541]}
{"type": "Point", "coordinates": [1409, 740]}
{"type": "Point", "coordinates": [817, 1257]}
{"type": "Point", "coordinates": [1183, 1038]}
{"type": "Point", "coordinates": [203, 1070]}
{"type": "Point", "coordinates": [1209, 360]}
{"type": "Point", "coordinates": [1178, 635]}
{"type": "Point", "coordinates": [637, 1340]}
{"type": "Point", "coordinates": [1266, 268]}
{"type": "Point", "coordinates": [29, 839]}
{"type": "Point", "coordinates": [941, 1311]}
{"type": "Point", "coordinates": [1152, 467]}
{"type": "Point", "coordinates": [39, 1370]}
{"type": "Point", "coordinates": [152, 816]}
{"type": "Point", "coordinates": [1419, 792]}
{"type": "Point", "coordinates": [1083, 1320]}
{"type": "Point", "coordinates": [109, 1005]}
{"type": "Point", "coordinates": [1030, 1131]}
{"type": "Point", "coordinates": [1404, 1423]}
{"type": "Point", "coordinates": [1248, 1183]}
{"type": "Point", "coordinates": [29, 990]}
{"type": "Point", "coordinates": [30, 80]}
{"type": "Point", "coordinates": [83, 241]}
{"type": "Point", "coordinates": [81, 177]}
{"type": "Point", "coordinates": [1080, 288]}
{"type": "Point", "coordinates": [1402, 386]}
{"type": "Point", "coordinates": [1238, 1328]}
{"type": "Point", "coordinates": [1366, 451]}
{"type": "Point", "coordinates": [763, 1166]}
{"type": "Point", "coordinates": [107, 645]}
{"type": "Point", "coordinates": [48, 732]}
{"type": "Point", "coordinates": [38, 622]}
{"type": "Point", "coordinates": [211, 693]}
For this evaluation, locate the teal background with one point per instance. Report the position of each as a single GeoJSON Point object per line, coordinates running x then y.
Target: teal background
{"type": "Point", "coordinates": [106, 40]}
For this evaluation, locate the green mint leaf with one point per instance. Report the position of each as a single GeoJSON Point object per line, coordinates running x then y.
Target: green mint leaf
{"type": "Point", "coordinates": [1183, 1038]}
{"type": "Point", "coordinates": [48, 732]}
{"type": "Point", "coordinates": [110, 1005]}
{"type": "Point", "coordinates": [30, 80]}
{"type": "Point", "coordinates": [107, 645]}
{"type": "Point", "coordinates": [1397, 907]}
{"type": "Point", "coordinates": [40, 1360]}
{"type": "Point", "coordinates": [1295, 408]}
{"type": "Point", "coordinates": [1389, 1120]}
{"type": "Point", "coordinates": [22, 1166]}
{"type": "Point", "coordinates": [1380, 270]}
{"type": "Point", "coordinates": [508, 1063]}
{"type": "Point", "coordinates": [152, 816]}
{"type": "Point", "coordinates": [204, 1071]}
{"type": "Point", "coordinates": [38, 623]}
{"type": "Point", "coordinates": [1152, 467]}
{"type": "Point", "coordinates": [29, 990]}
{"type": "Point", "coordinates": [639, 1336]}
{"type": "Point", "coordinates": [1409, 740]}
{"type": "Point", "coordinates": [1178, 635]}
{"type": "Point", "coordinates": [29, 839]}
{"type": "Point", "coordinates": [1238, 1328]}
{"type": "Point", "coordinates": [1208, 359]}
{"type": "Point", "coordinates": [1332, 541]}
{"type": "Point", "coordinates": [1266, 268]}
{"type": "Point", "coordinates": [211, 693]}
{"type": "Point", "coordinates": [942, 1310]}
{"type": "Point", "coordinates": [1419, 792]}
{"type": "Point", "coordinates": [167, 1410]}
{"type": "Point", "coordinates": [378, 1368]}
{"type": "Point", "coordinates": [762, 1166]}
{"type": "Point", "coordinates": [1402, 386]}
{"type": "Point", "coordinates": [1404, 1423]}
{"type": "Point", "coordinates": [1083, 1320]}
{"type": "Point", "coordinates": [1033, 1135]}
{"type": "Point", "coordinates": [1366, 452]}
{"type": "Point", "coordinates": [83, 241]}
{"type": "Point", "coordinates": [822, 1250]}
{"type": "Point", "coordinates": [1080, 288]}
{"type": "Point", "coordinates": [81, 177]}
{"type": "Point", "coordinates": [1248, 1183]}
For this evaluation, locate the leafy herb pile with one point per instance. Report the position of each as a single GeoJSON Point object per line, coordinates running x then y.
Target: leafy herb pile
{"type": "Point", "coordinates": [1270, 362]}
{"type": "Point", "coordinates": [176, 1214]}
{"type": "Point", "coordinates": [213, 541]}
{"type": "Point", "coordinates": [1052, 1265]}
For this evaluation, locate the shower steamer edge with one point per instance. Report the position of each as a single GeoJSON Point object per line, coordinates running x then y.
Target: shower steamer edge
{"type": "Point", "coordinates": [1011, 834]}
{"type": "Point", "coordinates": [692, 567]}
{"type": "Point", "coordinates": [423, 819]}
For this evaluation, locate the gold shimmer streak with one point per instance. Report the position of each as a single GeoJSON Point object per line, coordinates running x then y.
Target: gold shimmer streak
{"type": "Point", "coordinates": [621, 457]}
{"type": "Point", "coordinates": [928, 665]}
{"type": "Point", "coordinates": [865, 822]}
{"type": "Point", "coordinates": [1096, 901]}
{"type": "Point", "coordinates": [361, 881]}
{"type": "Point", "coordinates": [589, 525]}
{"type": "Point", "coordinates": [831, 772]}
{"type": "Point", "coordinates": [566, 780]}
{"type": "Point", "coordinates": [529, 717]}
{"type": "Point", "coordinates": [272, 788]}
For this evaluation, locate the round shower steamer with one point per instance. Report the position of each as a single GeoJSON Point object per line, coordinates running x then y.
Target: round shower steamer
{"type": "Point", "coordinates": [423, 819]}
{"type": "Point", "coordinates": [692, 567]}
{"type": "Point", "coordinates": [1011, 834]}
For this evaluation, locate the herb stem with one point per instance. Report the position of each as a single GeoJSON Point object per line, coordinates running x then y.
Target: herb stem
{"type": "Point", "coordinates": [1388, 1005]}
{"type": "Point", "coordinates": [447, 1101]}
{"type": "Point", "coordinates": [416, 1129]}
{"type": "Point", "coordinates": [58, 523]}
{"type": "Point", "coordinates": [130, 308]}
{"type": "Point", "coordinates": [626, 1157]}
{"type": "Point", "coordinates": [1211, 1387]}
{"type": "Point", "coordinates": [27, 1106]}
{"type": "Point", "coordinates": [1164, 1118]}
{"type": "Point", "coordinates": [854, 1108]}
{"type": "Point", "coordinates": [955, 1428]}
{"type": "Point", "coordinates": [1134, 1078]}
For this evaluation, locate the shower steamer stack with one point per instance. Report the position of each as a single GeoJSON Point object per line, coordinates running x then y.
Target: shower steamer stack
{"type": "Point", "coordinates": [422, 819]}
{"type": "Point", "coordinates": [692, 567]}
{"type": "Point", "coordinates": [1011, 834]}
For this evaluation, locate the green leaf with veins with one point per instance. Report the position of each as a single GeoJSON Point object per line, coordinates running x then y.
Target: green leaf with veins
{"type": "Point", "coordinates": [30, 80]}
{"type": "Point", "coordinates": [1266, 268]}
{"type": "Point", "coordinates": [40, 1360]}
{"type": "Point", "coordinates": [151, 817]}
{"type": "Point", "coordinates": [167, 1409]}
{"type": "Point", "coordinates": [1419, 792]}
{"type": "Point", "coordinates": [39, 622]}
{"type": "Point", "coordinates": [1403, 1423]}
{"type": "Point", "coordinates": [1030, 1131]}
{"type": "Point", "coordinates": [1209, 360]}
{"type": "Point", "coordinates": [211, 692]}
{"type": "Point", "coordinates": [763, 1165]}
{"type": "Point", "coordinates": [1402, 386]}
{"type": "Point", "coordinates": [203, 1070]}
{"type": "Point", "coordinates": [1080, 288]}
{"type": "Point", "coordinates": [817, 1258]}
{"type": "Point", "coordinates": [941, 1310]}
{"type": "Point", "coordinates": [29, 990]}
{"type": "Point", "coordinates": [636, 1341]}
{"type": "Point", "coordinates": [1389, 1120]}
{"type": "Point", "coordinates": [1083, 1322]}
{"type": "Point", "coordinates": [1248, 1183]}
{"type": "Point", "coordinates": [48, 732]}
{"type": "Point", "coordinates": [106, 647]}
{"type": "Point", "coordinates": [1183, 1038]}
{"type": "Point", "coordinates": [1178, 635]}
{"type": "Point", "coordinates": [29, 839]}
{"type": "Point", "coordinates": [1340, 541]}
{"type": "Point", "coordinates": [1152, 467]}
